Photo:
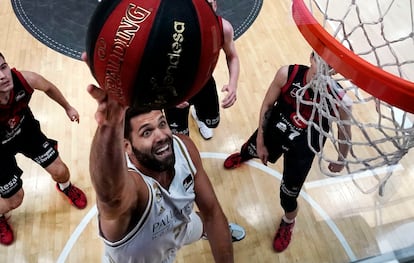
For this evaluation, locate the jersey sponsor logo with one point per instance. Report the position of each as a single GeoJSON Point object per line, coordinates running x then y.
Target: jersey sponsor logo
{"type": "Point", "coordinates": [297, 121]}
{"type": "Point", "coordinates": [297, 85]}
{"type": "Point", "coordinates": [14, 129]}
{"type": "Point", "coordinates": [294, 90]}
{"type": "Point", "coordinates": [13, 122]}
{"type": "Point", "coordinates": [187, 182]}
{"type": "Point", "coordinates": [281, 126]}
{"type": "Point", "coordinates": [21, 94]}
{"type": "Point", "coordinates": [163, 225]}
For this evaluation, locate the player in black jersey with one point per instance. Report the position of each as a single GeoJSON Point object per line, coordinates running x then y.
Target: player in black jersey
{"type": "Point", "coordinates": [206, 108]}
{"type": "Point", "coordinates": [281, 132]}
{"type": "Point", "coordinates": [20, 133]}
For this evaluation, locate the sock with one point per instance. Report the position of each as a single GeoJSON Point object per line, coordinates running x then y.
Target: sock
{"type": "Point", "coordinates": [63, 186]}
{"type": "Point", "coordinates": [288, 221]}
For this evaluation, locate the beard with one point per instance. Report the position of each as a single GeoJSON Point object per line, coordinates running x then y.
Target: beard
{"type": "Point", "coordinates": [150, 160]}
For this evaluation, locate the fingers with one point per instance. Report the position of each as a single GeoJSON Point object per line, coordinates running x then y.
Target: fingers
{"type": "Point", "coordinates": [228, 101]}
{"type": "Point", "coordinates": [183, 105]}
{"type": "Point", "coordinates": [98, 94]}
{"type": "Point", "coordinates": [227, 104]}
{"type": "Point", "coordinates": [74, 118]}
{"type": "Point", "coordinates": [335, 168]}
{"type": "Point", "coordinates": [230, 98]}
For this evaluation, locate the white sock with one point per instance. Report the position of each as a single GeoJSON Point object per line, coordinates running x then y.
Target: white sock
{"type": "Point", "coordinates": [63, 186]}
{"type": "Point", "coordinates": [287, 220]}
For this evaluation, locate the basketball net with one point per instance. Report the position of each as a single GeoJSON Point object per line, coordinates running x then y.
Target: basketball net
{"type": "Point", "coordinates": [373, 57]}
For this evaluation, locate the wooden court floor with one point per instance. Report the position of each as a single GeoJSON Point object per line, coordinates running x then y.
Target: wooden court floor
{"type": "Point", "coordinates": [336, 222]}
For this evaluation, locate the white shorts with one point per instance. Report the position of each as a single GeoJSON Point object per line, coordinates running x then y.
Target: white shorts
{"type": "Point", "coordinates": [194, 229]}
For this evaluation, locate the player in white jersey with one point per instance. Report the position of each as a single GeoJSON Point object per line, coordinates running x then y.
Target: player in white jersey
{"type": "Point", "coordinates": [146, 206]}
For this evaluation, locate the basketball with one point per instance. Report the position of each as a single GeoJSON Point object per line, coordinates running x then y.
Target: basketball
{"type": "Point", "coordinates": [153, 53]}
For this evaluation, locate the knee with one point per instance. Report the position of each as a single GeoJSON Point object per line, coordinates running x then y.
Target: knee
{"type": "Point", "coordinates": [12, 202]}
{"type": "Point", "coordinates": [58, 170]}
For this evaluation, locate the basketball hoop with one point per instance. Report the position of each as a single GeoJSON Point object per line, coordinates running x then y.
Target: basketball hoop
{"type": "Point", "coordinates": [372, 60]}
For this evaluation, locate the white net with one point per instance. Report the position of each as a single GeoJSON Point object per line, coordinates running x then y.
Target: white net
{"type": "Point", "coordinates": [380, 32]}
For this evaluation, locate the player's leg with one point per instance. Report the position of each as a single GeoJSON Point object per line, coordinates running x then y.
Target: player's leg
{"type": "Point", "coordinates": [11, 194]}
{"type": "Point", "coordinates": [297, 163]}
{"type": "Point", "coordinates": [206, 110]}
{"type": "Point", "coordinates": [178, 120]}
{"type": "Point", "coordinates": [44, 152]}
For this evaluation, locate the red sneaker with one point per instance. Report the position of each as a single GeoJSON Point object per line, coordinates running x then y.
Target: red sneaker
{"type": "Point", "coordinates": [6, 233]}
{"type": "Point", "coordinates": [75, 195]}
{"type": "Point", "coordinates": [233, 161]}
{"type": "Point", "coordinates": [283, 236]}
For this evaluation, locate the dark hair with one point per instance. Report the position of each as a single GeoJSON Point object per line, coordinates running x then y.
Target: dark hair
{"type": "Point", "coordinates": [130, 113]}
{"type": "Point", "coordinates": [1, 56]}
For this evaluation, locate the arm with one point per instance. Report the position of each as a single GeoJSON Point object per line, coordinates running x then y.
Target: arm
{"type": "Point", "coordinates": [214, 221]}
{"type": "Point", "coordinates": [269, 101]}
{"type": "Point", "coordinates": [38, 82]}
{"type": "Point", "coordinates": [233, 65]}
{"type": "Point", "coordinates": [344, 135]}
{"type": "Point", "coordinates": [116, 190]}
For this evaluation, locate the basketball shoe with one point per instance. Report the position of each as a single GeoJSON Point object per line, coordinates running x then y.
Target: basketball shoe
{"type": "Point", "coordinates": [75, 195]}
{"type": "Point", "coordinates": [233, 161]}
{"type": "Point", "coordinates": [206, 132]}
{"type": "Point", "coordinates": [6, 233]}
{"type": "Point", "coordinates": [283, 236]}
{"type": "Point", "coordinates": [237, 232]}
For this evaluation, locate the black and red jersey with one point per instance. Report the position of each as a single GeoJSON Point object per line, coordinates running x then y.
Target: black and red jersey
{"type": "Point", "coordinates": [16, 111]}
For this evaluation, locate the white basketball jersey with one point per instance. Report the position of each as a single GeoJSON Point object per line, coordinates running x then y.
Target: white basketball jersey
{"type": "Point", "coordinates": [162, 228]}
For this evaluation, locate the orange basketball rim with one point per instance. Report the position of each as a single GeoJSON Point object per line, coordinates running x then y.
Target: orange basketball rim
{"type": "Point", "coordinates": [379, 83]}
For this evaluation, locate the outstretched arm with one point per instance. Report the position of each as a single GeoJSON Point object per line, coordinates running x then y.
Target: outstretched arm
{"type": "Point", "coordinates": [38, 82]}
{"type": "Point", "coordinates": [214, 221]}
{"type": "Point", "coordinates": [233, 65]}
{"type": "Point", "coordinates": [107, 166]}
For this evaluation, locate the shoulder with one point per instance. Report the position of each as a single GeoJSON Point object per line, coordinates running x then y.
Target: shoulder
{"type": "Point", "coordinates": [227, 27]}
{"type": "Point", "coordinates": [187, 142]}
{"type": "Point", "coordinates": [228, 31]}
{"type": "Point", "coordinates": [191, 148]}
{"type": "Point", "coordinates": [32, 78]}
{"type": "Point", "coordinates": [282, 74]}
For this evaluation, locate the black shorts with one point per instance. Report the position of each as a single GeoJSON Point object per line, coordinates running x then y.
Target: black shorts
{"type": "Point", "coordinates": [293, 145]}
{"type": "Point", "coordinates": [30, 142]}
{"type": "Point", "coordinates": [206, 105]}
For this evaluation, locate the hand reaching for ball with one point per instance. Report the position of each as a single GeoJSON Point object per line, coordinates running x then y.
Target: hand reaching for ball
{"type": "Point", "coordinates": [110, 112]}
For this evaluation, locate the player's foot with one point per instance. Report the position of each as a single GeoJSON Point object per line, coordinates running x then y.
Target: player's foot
{"type": "Point", "coordinates": [6, 233]}
{"type": "Point", "coordinates": [233, 161]}
{"type": "Point", "coordinates": [75, 195]}
{"type": "Point", "coordinates": [237, 232]}
{"type": "Point", "coordinates": [206, 132]}
{"type": "Point", "coordinates": [283, 236]}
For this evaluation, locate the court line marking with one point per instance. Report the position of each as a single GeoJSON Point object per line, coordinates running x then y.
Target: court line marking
{"type": "Point", "coordinates": [75, 235]}
{"type": "Point", "coordinates": [93, 211]}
